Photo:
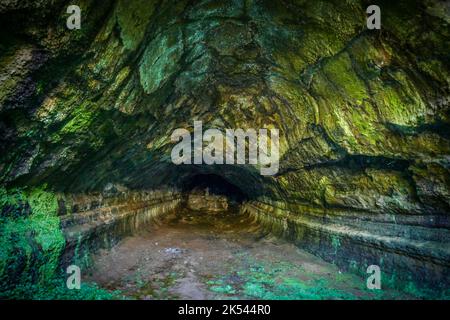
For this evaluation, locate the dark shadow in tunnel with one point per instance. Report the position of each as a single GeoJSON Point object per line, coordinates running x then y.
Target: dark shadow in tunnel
{"type": "Point", "coordinates": [215, 184]}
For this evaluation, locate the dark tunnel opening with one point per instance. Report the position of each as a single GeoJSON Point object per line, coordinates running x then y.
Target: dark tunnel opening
{"type": "Point", "coordinates": [213, 184]}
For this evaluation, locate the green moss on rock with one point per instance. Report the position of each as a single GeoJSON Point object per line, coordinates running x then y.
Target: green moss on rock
{"type": "Point", "coordinates": [161, 60]}
{"type": "Point", "coordinates": [133, 18]}
{"type": "Point", "coordinates": [30, 245]}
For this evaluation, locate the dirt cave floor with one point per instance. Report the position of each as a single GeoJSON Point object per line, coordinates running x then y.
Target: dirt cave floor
{"type": "Point", "coordinates": [194, 255]}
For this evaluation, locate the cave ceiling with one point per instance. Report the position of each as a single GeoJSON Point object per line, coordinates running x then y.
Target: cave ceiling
{"type": "Point", "coordinates": [363, 114]}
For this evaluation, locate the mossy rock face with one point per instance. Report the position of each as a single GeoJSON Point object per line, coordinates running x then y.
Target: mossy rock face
{"type": "Point", "coordinates": [31, 241]}
{"type": "Point", "coordinates": [161, 59]}
{"type": "Point", "coordinates": [334, 89]}
{"type": "Point", "coordinates": [363, 114]}
{"type": "Point", "coordinates": [133, 17]}
{"type": "Point", "coordinates": [135, 72]}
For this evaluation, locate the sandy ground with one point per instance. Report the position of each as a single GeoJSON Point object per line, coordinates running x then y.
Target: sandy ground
{"type": "Point", "coordinates": [192, 255]}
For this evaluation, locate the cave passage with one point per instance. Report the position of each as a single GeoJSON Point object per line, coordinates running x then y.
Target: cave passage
{"type": "Point", "coordinates": [256, 149]}
{"type": "Point", "coordinates": [194, 254]}
{"type": "Point", "coordinates": [208, 248]}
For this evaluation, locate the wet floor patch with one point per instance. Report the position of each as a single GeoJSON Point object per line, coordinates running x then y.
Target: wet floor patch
{"type": "Point", "coordinates": [193, 255]}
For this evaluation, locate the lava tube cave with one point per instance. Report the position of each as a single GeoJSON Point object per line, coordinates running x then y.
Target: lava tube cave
{"type": "Point", "coordinates": [216, 150]}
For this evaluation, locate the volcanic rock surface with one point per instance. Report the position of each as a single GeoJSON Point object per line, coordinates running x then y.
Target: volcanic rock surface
{"type": "Point", "coordinates": [363, 114]}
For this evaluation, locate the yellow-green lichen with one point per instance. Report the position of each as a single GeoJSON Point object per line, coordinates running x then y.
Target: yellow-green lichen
{"type": "Point", "coordinates": [133, 18]}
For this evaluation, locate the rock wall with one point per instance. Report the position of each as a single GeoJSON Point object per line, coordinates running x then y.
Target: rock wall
{"type": "Point", "coordinates": [207, 202]}
{"type": "Point", "coordinates": [93, 221]}
{"type": "Point", "coordinates": [411, 250]}
{"type": "Point", "coordinates": [363, 114]}
{"type": "Point", "coordinates": [42, 232]}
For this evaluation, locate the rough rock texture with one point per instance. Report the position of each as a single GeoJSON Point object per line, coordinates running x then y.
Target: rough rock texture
{"type": "Point", "coordinates": [207, 202]}
{"type": "Point", "coordinates": [99, 221]}
{"type": "Point", "coordinates": [363, 115]}
{"type": "Point", "coordinates": [41, 230]}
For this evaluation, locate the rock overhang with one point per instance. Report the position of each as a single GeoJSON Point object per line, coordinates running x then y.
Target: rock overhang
{"type": "Point", "coordinates": [348, 102]}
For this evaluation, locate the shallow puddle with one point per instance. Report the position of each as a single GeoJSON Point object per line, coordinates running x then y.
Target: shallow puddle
{"type": "Point", "coordinates": [193, 255]}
